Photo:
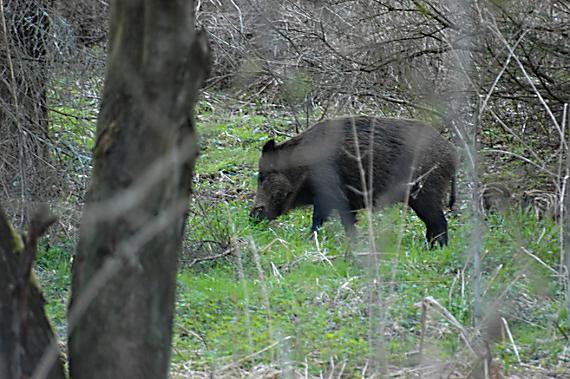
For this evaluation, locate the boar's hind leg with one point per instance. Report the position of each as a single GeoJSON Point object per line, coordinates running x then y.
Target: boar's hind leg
{"type": "Point", "coordinates": [429, 210]}
{"type": "Point", "coordinates": [348, 219]}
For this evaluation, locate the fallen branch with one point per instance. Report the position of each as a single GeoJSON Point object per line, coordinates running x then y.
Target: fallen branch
{"type": "Point", "coordinates": [225, 253]}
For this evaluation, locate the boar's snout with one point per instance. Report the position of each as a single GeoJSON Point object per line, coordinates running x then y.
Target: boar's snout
{"type": "Point", "coordinates": [258, 213]}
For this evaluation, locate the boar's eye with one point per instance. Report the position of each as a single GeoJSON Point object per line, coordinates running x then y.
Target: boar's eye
{"type": "Point", "coordinates": [261, 177]}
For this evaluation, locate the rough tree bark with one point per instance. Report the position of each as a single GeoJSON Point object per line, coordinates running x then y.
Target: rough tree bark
{"type": "Point", "coordinates": [25, 332]}
{"type": "Point", "coordinates": [123, 285]}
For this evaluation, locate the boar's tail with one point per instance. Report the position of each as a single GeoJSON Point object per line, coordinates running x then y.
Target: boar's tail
{"type": "Point", "coordinates": [452, 193]}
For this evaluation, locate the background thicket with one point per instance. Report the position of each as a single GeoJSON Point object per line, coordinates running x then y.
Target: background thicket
{"type": "Point", "coordinates": [493, 76]}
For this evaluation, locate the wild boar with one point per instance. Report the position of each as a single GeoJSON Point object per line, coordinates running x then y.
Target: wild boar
{"type": "Point", "coordinates": [543, 203]}
{"type": "Point", "coordinates": [495, 197]}
{"type": "Point", "coordinates": [351, 163]}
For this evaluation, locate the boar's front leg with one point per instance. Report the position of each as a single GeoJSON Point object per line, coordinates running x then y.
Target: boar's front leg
{"type": "Point", "coordinates": [428, 208]}
{"type": "Point", "coordinates": [327, 196]}
{"type": "Point", "coordinates": [323, 207]}
{"type": "Point", "coordinates": [321, 212]}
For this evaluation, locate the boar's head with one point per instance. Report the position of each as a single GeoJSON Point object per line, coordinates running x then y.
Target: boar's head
{"type": "Point", "coordinates": [275, 191]}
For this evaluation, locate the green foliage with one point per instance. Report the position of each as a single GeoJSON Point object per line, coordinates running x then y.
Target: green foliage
{"type": "Point", "coordinates": [72, 127]}
{"type": "Point", "coordinates": [322, 300]}
{"type": "Point", "coordinates": [53, 269]}
{"type": "Point", "coordinates": [421, 8]}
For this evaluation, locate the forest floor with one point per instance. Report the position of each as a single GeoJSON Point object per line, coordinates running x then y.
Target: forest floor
{"type": "Point", "coordinates": [265, 301]}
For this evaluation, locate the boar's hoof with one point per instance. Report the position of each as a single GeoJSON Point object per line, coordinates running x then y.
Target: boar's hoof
{"type": "Point", "coordinates": [314, 235]}
{"type": "Point", "coordinates": [438, 241]}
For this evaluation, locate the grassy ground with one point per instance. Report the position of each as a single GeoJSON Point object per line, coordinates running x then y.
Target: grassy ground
{"type": "Point", "coordinates": [266, 300]}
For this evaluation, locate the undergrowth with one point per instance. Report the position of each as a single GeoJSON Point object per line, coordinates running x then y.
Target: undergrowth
{"type": "Point", "coordinates": [269, 294]}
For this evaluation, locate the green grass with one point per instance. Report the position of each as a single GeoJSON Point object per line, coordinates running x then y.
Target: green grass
{"type": "Point", "coordinates": [53, 270]}
{"type": "Point", "coordinates": [323, 305]}
{"type": "Point", "coordinates": [278, 297]}
{"type": "Point", "coordinates": [316, 305]}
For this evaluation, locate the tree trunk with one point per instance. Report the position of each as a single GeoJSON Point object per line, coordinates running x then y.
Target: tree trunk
{"type": "Point", "coordinates": [124, 276]}
{"type": "Point", "coordinates": [25, 332]}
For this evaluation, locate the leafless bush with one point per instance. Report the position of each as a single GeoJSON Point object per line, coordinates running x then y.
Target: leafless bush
{"type": "Point", "coordinates": [49, 88]}
{"type": "Point", "coordinates": [397, 58]}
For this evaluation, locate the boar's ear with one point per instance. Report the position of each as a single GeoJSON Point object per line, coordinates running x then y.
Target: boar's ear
{"type": "Point", "coordinates": [269, 146]}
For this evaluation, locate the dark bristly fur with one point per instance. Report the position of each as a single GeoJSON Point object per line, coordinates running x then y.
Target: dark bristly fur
{"type": "Point", "coordinates": [320, 167]}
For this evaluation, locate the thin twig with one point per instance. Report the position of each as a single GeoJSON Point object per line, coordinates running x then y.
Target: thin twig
{"type": "Point", "coordinates": [447, 314]}
{"type": "Point", "coordinates": [508, 330]}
